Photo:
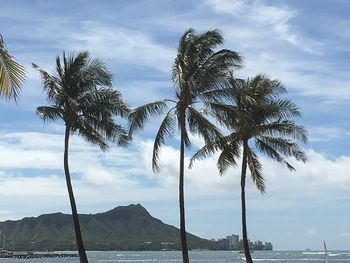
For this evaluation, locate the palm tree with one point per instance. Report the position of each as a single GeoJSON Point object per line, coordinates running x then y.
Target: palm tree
{"type": "Point", "coordinates": [258, 120]}
{"type": "Point", "coordinates": [197, 72]}
{"type": "Point", "coordinates": [12, 74]}
{"type": "Point", "coordinates": [80, 93]}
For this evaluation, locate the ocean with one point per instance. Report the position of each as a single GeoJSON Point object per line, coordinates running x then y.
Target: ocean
{"type": "Point", "coordinates": [197, 257]}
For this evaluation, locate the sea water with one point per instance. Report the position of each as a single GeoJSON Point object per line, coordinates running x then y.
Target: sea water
{"type": "Point", "coordinates": [197, 257]}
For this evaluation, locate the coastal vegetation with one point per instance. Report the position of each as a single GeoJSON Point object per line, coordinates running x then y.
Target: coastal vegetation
{"type": "Point", "coordinates": [80, 93]}
{"type": "Point", "coordinates": [197, 72]}
{"type": "Point", "coordinates": [257, 119]}
{"type": "Point", "coordinates": [236, 118]}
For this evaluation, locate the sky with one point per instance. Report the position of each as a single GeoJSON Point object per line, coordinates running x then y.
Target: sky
{"type": "Point", "coordinates": [305, 44]}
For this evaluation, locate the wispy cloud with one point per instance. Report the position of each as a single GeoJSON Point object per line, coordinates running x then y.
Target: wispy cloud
{"type": "Point", "coordinates": [326, 134]}
{"type": "Point", "coordinates": [264, 18]}
{"type": "Point", "coordinates": [122, 45]}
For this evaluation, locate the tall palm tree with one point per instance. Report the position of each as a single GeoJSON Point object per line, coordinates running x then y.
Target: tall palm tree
{"type": "Point", "coordinates": [80, 93]}
{"type": "Point", "coordinates": [258, 120]}
{"type": "Point", "coordinates": [12, 74]}
{"type": "Point", "coordinates": [197, 72]}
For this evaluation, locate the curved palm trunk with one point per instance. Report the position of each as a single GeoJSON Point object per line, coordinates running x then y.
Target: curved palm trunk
{"type": "Point", "coordinates": [181, 199]}
{"type": "Point", "coordinates": [244, 220]}
{"type": "Point", "coordinates": [81, 249]}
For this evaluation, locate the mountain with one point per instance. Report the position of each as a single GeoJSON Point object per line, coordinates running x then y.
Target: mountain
{"type": "Point", "coordinates": [122, 228]}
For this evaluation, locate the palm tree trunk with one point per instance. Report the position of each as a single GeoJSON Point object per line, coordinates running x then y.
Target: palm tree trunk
{"type": "Point", "coordinates": [244, 220]}
{"type": "Point", "coordinates": [182, 198]}
{"type": "Point", "coordinates": [80, 244]}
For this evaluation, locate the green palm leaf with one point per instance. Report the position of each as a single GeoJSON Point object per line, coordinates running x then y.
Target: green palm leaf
{"type": "Point", "coordinates": [229, 154]}
{"type": "Point", "coordinates": [255, 168]}
{"type": "Point", "coordinates": [12, 74]}
{"type": "Point", "coordinates": [198, 124]}
{"type": "Point", "coordinates": [280, 145]}
{"type": "Point", "coordinates": [166, 129]}
{"type": "Point", "coordinates": [285, 128]}
{"type": "Point", "coordinates": [139, 116]}
{"type": "Point", "coordinates": [47, 113]}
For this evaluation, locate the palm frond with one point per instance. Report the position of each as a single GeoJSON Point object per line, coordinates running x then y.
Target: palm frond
{"type": "Point", "coordinates": [181, 61]}
{"type": "Point", "coordinates": [120, 135]}
{"type": "Point", "coordinates": [269, 149]}
{"type": "Point", "coordinates": [73, 68]}
{"type": "Point", "coordinates": [207, 40]}
{"type": "Point", "coordinates": [95, 73]}
{"type": "Point", "coordinates": [48, 113]}
{"type": "Point", "coordinates": [204, 152]}
{"type": "Point", "coordinates": [281, 108]}
{"type": "Point", "coordinates": [12, 74]}
{"type": "Point", "coordinates": [209, 149]}
{"type": "Point", "coordinates": [49, 83]}
{"type": "Point", "coordinates": [105, 125]}
{"type": "Point", "coordinates": [225, 114]}
{"type": "Point", "coordinates": [104, 100]}
{"type": "Point", "coordinates": [229, 154]}
{"type": "Point", "coordinates": [284, 128]}
{"type": "Point", "coordinates": [91, 135]}
{"type": "Point", "coordinates": [166, 129]}
{"type": "Point", "coordinates": [139, 116]}
{"type": "Point", "coordinates": [215, 69]}
{"type": "Point", "coordinates": [215, 95]}
{"type": "Point", "coordinates": [255, 168]}
{"type": "Point", "coordinates": [203, 45]}
{"type": "Point", "coordinates": [199, 125]}
{"type": "Point", "coordinates": [265, 88]}
{"type": "Point", "coordinates": [283, 146]}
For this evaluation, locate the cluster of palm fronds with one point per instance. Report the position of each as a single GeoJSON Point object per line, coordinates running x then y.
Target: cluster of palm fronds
{"type": "Point", "coordinates": [252, 111]}
{"type": "Point", "coordinates": [12, 74]}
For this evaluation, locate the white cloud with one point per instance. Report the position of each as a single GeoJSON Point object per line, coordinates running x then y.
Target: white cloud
{"type": "Point", "coordinates": [29, 158]}
{"type": "Point", "coordinates": [32, 178]}
{"type": "Point", "coordinates": [196, 180]}
{"type": "Point", "coordinates": [326, 134]}
{"type": "Point", "coordinates": [318, 174]}
{"type": "Point", "coordinates": [312, 233]}
{"type": "Point", "coordinates": [121, 169]}
{"type": "Point", "coordinates": [50, 185]}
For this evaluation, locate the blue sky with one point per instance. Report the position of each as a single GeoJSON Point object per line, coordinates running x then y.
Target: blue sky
{"type": "Point", "coordinates": [305, 44]}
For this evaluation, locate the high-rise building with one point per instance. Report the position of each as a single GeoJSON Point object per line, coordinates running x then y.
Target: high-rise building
{"type": "Point", "coordinates": [233, 241]}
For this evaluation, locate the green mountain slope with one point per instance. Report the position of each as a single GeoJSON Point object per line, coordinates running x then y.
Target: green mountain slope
{"type": "Point", "coordinates": [122, 228]}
